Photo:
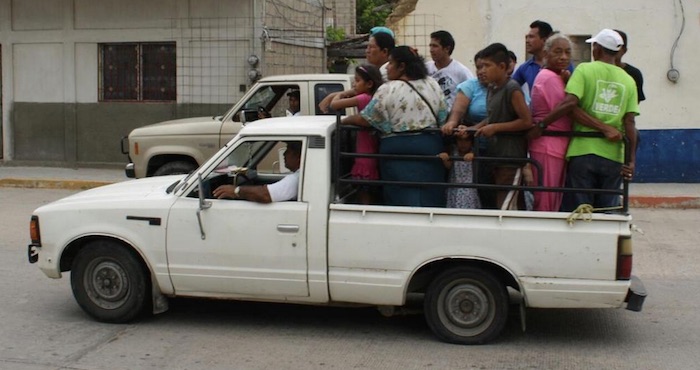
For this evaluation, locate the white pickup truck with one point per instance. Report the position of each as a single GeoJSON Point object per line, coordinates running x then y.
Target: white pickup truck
{"type": "Point", "coordinates": [180, 146]}
{"type": "Point", "coordinates": [131, 245]}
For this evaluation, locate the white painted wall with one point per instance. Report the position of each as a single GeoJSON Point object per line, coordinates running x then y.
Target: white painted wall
{"type": "Point", "coordinates": [651, 25]}
{"type": "Point", "coordinates": [43, 83]}
{"type": "Point", "coordinates": [50, 48]}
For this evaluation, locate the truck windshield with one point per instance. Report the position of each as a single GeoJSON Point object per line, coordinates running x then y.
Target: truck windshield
{"type": "Point", "coordinates": [261, 98]}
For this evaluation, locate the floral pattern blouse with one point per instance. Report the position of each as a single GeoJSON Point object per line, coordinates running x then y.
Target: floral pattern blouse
{"type": "Point", "coordinates": [396, 107]}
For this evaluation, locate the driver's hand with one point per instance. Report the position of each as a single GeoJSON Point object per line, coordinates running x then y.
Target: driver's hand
{"type": "Point", "coordinates": [225, 191]}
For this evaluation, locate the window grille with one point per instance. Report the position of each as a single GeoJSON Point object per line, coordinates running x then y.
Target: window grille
{"type": "Point", "coordinates": [137, 72]}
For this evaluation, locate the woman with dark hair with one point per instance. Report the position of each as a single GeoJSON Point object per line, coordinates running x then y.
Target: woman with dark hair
{"type": "Point", "coordinates": [401, 110]}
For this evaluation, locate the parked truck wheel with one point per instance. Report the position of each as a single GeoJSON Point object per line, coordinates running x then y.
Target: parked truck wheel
{"type": "Point", "coordinates": [108, 282]}
{"type": "Point", "coordinates": [466, 306]}
{"type": "Point", "coordinates": [175, 168]}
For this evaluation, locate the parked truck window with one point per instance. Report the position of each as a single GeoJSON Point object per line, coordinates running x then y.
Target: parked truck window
{"type": "Point", "coordinates": [323, 90]}
{"type": "Point", "coordinates": [268, 101]}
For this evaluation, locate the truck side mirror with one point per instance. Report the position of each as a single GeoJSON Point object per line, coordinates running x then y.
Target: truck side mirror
{"type": "Point", "coordinates": [241, 115]}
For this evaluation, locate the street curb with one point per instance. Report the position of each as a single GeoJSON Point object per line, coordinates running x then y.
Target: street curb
{"type": "Point", "coordinates": [636, 201]}
{"type": "Point", "coordinates": [52, 184]}
{"type": "Point", "coordinates": [644, 201]}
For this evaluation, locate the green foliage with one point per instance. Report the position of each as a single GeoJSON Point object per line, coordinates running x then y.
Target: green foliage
{"type": "Point", "coordinates": [335, 34]}
{"type": "Point", "coordinates": [371, 13]}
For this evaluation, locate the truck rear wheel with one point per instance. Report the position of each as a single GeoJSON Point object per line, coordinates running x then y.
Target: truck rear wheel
{"type": "Point", "coordinates": [175, 168]}
{"type": "Point", "coordinates": [108, 282]}
{"type": "Point", "coordinates": [466, 305]}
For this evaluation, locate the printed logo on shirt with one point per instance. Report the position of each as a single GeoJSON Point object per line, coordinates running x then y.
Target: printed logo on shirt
{"type": "Point", "coordinates": [608, 97]}
{"type": "Point", "coordinates": [446, 83]}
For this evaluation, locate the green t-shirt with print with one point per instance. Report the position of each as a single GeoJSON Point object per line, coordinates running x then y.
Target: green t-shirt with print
{"type": "Point", "coordinates": [606, 92]}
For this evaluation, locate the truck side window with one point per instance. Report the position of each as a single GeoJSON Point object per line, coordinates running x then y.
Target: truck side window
{"type": "Point", "coordinates": [272, 100]}
{"type": "Point", "coordinates": [321, 91]}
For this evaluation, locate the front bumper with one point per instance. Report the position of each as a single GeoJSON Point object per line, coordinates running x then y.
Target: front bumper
{"type": "Point", "coordinates": [129, 171]}
{"type": "Point", "coordinates": [636, 294]}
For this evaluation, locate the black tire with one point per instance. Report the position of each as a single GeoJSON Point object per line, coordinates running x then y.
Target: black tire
{"type": "Point", "coordinates": [175, 168]}
{"type": "Point", "coordinates": [466, 305]}
{"type": "Point", "coordinates": [109, 282]}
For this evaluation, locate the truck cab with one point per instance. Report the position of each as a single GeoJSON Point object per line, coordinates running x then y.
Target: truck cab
{"type": "Point", "coordinates": [179, 146]}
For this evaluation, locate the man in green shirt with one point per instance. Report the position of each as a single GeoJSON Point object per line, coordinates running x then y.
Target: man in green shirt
{"type": "Point", "coordinates": [607, 98]}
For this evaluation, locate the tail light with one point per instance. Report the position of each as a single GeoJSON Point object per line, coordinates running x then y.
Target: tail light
{"type": "Point", "coordinates": [34, 233]}
{"type": "Point", "coordinates": [624, 258]}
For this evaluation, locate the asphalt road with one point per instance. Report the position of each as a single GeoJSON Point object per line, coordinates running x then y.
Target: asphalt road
{"type": "Point", "coordinates": [43, 328]}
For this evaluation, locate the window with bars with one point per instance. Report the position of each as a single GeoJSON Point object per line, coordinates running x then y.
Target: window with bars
{"type": "Point", "coordinates": [137, 72]}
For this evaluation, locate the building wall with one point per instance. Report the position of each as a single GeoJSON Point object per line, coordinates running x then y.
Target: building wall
{"type": "Point", "coordinates": [294, 36]}
{"type": "Point", "coordinates": [51, 111]}
{"type": "Point", "coordinates": [670, 127]}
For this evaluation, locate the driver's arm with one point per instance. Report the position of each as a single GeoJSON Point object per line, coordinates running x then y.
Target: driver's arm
{"type": "Point", "coordinates": [256, 193]}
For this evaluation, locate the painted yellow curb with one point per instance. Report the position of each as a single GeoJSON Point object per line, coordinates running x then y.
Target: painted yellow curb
{"type": "Point", "coordinates": [52, 184]}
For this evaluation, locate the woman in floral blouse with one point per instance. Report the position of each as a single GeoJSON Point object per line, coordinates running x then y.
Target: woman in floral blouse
{"type": "Point", "coordinates": [401, 110]}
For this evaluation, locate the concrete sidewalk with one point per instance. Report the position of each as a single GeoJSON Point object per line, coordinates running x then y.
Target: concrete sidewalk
{"type": "Point", "coordinates": [664, 195]}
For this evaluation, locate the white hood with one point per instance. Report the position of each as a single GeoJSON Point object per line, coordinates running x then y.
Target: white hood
{"type": "Point", "coordinates": [120, 194]}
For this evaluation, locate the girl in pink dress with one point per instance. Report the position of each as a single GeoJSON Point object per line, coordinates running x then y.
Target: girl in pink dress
{"type": "Point", "coordinates": [367, 81]}
{"type": "Point", "coordinates": [547, 93]}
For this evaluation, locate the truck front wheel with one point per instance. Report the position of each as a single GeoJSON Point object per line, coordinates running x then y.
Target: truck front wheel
{"type": "Point", "coordinates": [108, 282]}
{"type": "Point", "coordinates": [466, 305]}
{"type": "Point", "coordinates": [175, 168]}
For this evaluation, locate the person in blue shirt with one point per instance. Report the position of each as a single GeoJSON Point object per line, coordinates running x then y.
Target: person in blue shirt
{"type": "Point", "coordinates": [534, 45]}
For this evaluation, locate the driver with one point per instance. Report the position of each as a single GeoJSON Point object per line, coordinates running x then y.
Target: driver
{"type": "Point", "coordinates": [294, 109]}
{"type": "Point", "coordinates": [282, 190]}
{"type": "Point", "coordinates": [294, 103]}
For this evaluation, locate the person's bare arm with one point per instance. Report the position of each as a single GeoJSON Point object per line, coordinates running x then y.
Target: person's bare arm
{"type": "Point", "coordinates": [459, 107]}
{"type": "Point", "coordinates": [585, 119]}
{"type": "Point", "coordinates": [446, 161]}
{"type": "Point", "coordinates": [565, 107]}
{"type": "Point", "coordinates": [257, 193]}
{"type": "Point", "coordinates": [326, 102]}
{"type": "Point", "coordinates": [523, 122]}
{"type": "Point", "coordinates": [340, 101]}
{"type": "Point", "coordinates": [355, 120]}
{"type": "Point", "coordinates": [631, 134]}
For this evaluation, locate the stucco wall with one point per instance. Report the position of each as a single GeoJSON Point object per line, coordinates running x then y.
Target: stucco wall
{"type": "Point", "coordinates": [50, 107]}
{"type": "Point", "coordinates": [652, 27]}
{"type": "Point", "coordinates": [670, 125]}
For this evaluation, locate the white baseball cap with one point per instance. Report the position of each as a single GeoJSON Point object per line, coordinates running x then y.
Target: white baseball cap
{"type": "Point", "coordinates": [608, 39]}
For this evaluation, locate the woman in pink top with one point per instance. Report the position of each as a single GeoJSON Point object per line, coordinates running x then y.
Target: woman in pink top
{"type": "Point", "coordinates": [547, 93]}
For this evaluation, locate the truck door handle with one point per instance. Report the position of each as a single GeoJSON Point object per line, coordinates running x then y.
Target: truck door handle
{"type": "Point", "coordinates": [288, 228]}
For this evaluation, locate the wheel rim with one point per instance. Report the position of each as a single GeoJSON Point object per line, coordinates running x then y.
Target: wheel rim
{"type": "Point", "coordinates": [466, 307]}
{"type": "Point", "coordinates": [106, 283]}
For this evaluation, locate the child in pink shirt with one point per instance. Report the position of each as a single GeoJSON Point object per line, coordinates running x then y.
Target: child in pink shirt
{"type": "Point", "coordinates": [367, 81]}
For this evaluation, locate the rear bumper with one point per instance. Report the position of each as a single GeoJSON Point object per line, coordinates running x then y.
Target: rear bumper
{"type": "Point", "coordinates": [129, 171]}
{"type": "Point", "coordinates": [636, 294]}
{"type": "Point", "coordinates": [33, 252]}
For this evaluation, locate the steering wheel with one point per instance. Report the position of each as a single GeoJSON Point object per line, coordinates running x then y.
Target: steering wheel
{"type": "Point", "coordinates": [246, 178]}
